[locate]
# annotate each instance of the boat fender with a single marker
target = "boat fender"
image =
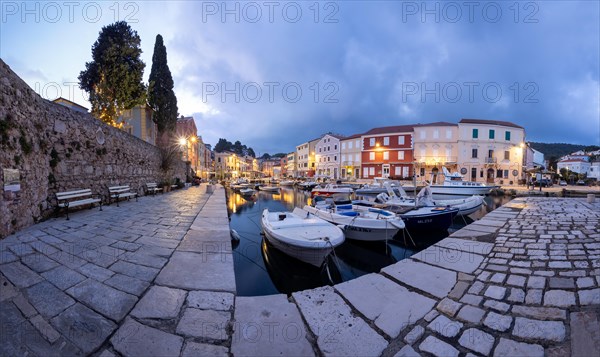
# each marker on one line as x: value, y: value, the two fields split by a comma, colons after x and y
x: 234, y: 235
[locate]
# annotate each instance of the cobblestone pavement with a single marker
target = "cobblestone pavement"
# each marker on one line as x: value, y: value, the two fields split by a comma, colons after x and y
x: 156, y: 278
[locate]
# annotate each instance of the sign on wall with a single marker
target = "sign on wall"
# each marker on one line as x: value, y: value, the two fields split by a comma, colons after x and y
x: 12, y: 180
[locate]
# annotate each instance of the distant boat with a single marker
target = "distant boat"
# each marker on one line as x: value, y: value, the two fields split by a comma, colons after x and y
x: 301, y: 235
x: 359, y: 222
x: 425, y: 198
x: 307, y: 185
x: 247, y: 192
x: 269, y: 188
x: 287, y: 183
x: 330, y: 189
x: 454, y: 185
x: 377, y: 186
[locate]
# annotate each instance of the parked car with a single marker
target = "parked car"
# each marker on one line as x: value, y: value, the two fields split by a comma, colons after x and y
x: 543, y: 183
x: 580, y: 183
x: 562, y: 183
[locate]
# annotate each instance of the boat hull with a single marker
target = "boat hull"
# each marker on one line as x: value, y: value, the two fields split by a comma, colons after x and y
x: 312, y: 256
x: 358, y: 228
x: 432, y: 219
x: 460, y: 190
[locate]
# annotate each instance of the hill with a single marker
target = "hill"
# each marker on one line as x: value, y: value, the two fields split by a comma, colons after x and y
x: 556, y: 150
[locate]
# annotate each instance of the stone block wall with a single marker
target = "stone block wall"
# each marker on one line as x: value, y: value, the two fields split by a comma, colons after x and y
x: 58, y: 149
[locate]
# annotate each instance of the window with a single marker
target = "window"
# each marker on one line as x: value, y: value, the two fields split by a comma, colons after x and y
x: 397, y: 171
x: 350, y: 145
x: 481, y: 173
x: 335, y: 147
x: 401, y: 140
x: 490, y: 153
x: 328, y: 158
x: 365, y: 171
x: 372, y: 141
x: 507, y: 136
x: 319, y: 149
x: 436, y: 134
x: 499, y: 173
x: 473, y: 174
x: 474, y: 153
x: 505, y: 174
x: 507, y: 155
x: 448, y: 133
x: 400, y: 155
x: 475, y: 133
x: 422, y: 173
x: 386, y: 140
x: 343, y: 145
x: 492, y: 133
x: 371, y: 171
x: 371, y: 156
x: 386, y: 155
x: 335, y: 158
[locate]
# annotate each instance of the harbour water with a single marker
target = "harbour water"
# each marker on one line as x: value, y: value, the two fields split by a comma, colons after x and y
x: 261, y: 269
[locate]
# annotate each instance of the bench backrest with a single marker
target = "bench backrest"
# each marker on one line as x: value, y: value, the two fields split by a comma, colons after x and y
x: 118, y: 188
x: 67, y: 195
x: 151, y: 185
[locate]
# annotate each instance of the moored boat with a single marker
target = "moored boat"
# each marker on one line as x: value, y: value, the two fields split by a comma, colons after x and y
x: 358, y: 222
x: 301, y: 235
x: 247, y: 192
x: 454, y: 185
x: 331, y: 189
x: 269, y: 188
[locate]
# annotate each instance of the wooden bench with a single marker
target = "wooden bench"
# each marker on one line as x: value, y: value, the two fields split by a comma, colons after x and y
x: 76, y: 198
x: 116, y: 192
x: 153, y: 187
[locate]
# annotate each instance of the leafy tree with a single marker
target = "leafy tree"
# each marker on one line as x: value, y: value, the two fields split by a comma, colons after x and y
x: 161, y: 97
x: 222, y: 145
x: 113, y: 79
x: 251, y: 152
x: 265, y: 156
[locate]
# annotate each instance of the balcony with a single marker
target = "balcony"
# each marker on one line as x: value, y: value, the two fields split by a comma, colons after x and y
x: 491, y: 160
x: 436, y: 160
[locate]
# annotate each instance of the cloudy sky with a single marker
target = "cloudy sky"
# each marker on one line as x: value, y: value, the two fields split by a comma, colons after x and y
x: 275, y: 74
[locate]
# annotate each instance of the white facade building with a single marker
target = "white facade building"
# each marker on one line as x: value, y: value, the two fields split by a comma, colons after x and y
x: 579, y: 166
x: 491, y: 151
x: 350, y: 152
x: 327, y: 156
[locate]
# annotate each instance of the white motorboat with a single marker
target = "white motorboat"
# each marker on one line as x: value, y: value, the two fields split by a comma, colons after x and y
x: 247, y: 192
x: 454, y: 185
x: 359, y: 222
x: 377, y: 186
x: 425, y: 198
x: 331, y: 189
x: 287, y: 183
x: 269, y: 188
x: 307, y: 185
x: 301, y: 235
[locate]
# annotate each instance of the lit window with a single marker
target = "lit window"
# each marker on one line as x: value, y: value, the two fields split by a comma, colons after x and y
x: 386, y: 155
x: 371, y: 156
x: 400, y: 155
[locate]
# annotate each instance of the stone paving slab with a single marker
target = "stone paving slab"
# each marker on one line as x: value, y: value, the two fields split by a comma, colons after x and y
x: 433, y: 280
x: 269, y: 326
x: 338, y: 331
x: 199, y: 271
x: 135, y: 339
x: 384, y: 308
x: 108, y: 301
x: 461, y: 261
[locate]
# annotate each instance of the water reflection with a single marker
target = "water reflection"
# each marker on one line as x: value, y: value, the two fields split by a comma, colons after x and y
x: 261, y: 269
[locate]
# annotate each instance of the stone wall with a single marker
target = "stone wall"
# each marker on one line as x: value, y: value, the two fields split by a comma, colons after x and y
x: 58, y: 149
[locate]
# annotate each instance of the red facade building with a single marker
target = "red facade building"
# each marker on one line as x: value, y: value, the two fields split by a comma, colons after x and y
x: 387, y: 152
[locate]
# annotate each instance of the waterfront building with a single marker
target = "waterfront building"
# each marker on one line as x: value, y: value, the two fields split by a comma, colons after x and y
x: 71, y: 105
x: 327, y: 156
x: 577, y: 165
x: 290, y: 169
x: 435, y: 145
x: 137, y: 121
x: 186, y: 135
x: 350, y: 152
x: 305, y: 158
x: 229, y: 165
x: 387, y: 152
x: 594, y: 171
x: 490, y: 151
x: 271, y: 167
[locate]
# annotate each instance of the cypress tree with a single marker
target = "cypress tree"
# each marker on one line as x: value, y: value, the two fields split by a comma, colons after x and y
x: 161, y: 97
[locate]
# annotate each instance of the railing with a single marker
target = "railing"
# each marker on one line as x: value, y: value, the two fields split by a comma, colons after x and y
x: 491, y: 160
x: 436, y: 160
